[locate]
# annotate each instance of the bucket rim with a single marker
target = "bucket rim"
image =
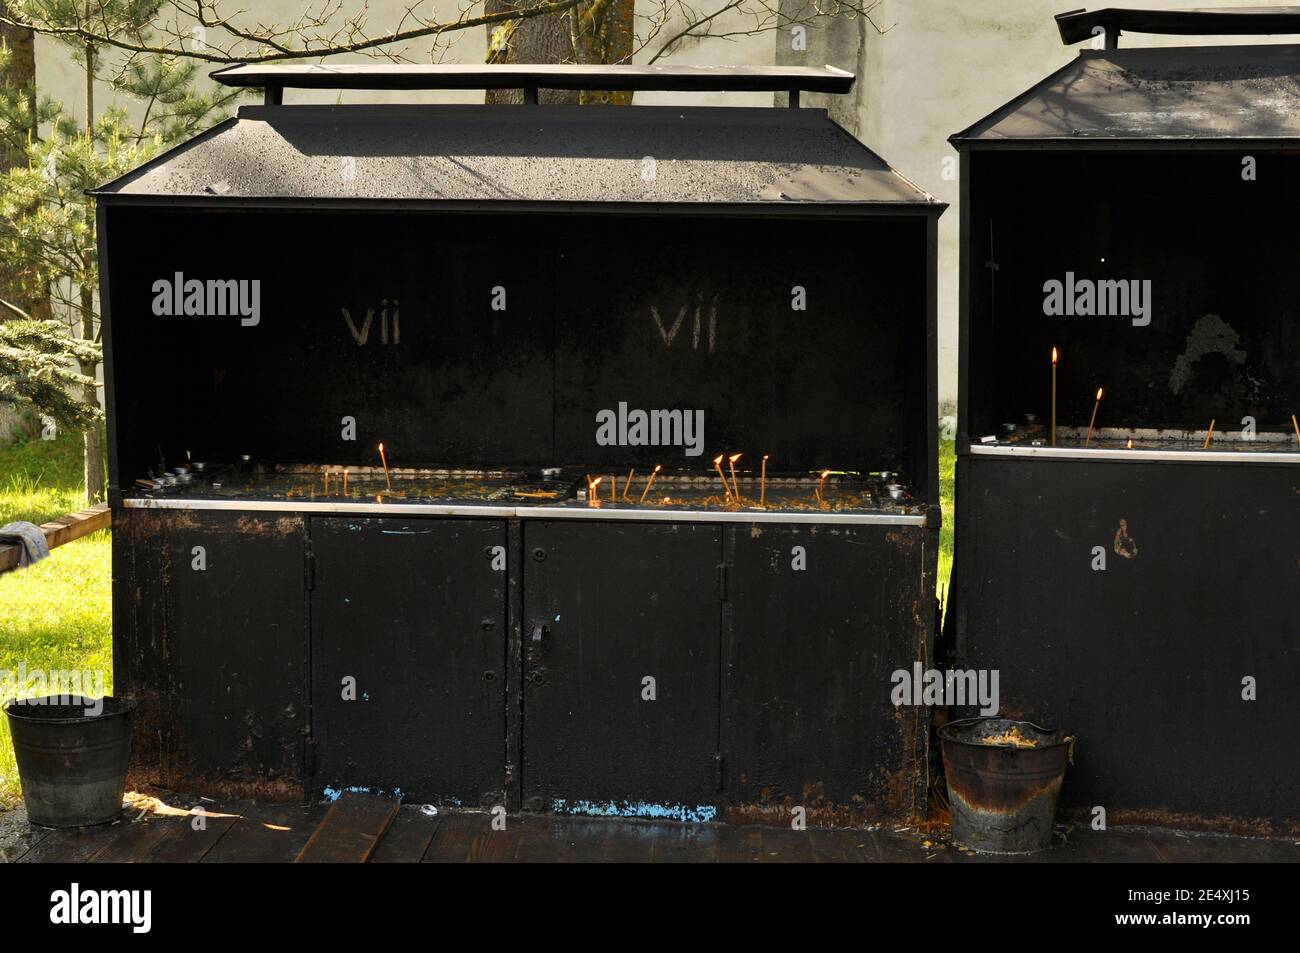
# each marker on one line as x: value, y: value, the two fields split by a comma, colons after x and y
x: 15, y: 709
x: 946, y: 731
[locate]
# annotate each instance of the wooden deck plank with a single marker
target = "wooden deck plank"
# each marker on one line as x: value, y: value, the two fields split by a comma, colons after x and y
x: 627, y: 843
x: 18, y: 843
x: 685, y: 843
x: 408, y: 837
x: 267, y: 833
x: 73, y: 845
x: 350, y: 830
x: 488, y: 845
x: 136, y: 838
x: 551, y: 839
x: 451, y: 841
x: 740, y: 845
x: 190, y: 843
x: 844, y: 846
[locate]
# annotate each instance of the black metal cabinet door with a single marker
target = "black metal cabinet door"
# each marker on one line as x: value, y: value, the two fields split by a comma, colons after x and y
x: 621, y: 667
x: 221, y: 671
x: 408, y: 656
x: 819, y: 618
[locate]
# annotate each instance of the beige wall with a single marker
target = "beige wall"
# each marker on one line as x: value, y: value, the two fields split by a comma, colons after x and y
x: 938, y: 66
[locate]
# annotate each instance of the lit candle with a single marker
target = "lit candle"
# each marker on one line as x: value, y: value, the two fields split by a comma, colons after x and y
x: 650, y: 482
x: 1297, y: 428
x: 613, y: 488
x: 383, y: 459
x: 1088, y: 438
x: 1053, y: 397
x: 327, y: 483
x: 628, y: 485
x: 593, y: 494
x: 731, y: 462
x: 345, y: 481
x: 1130, y: 443
x: 762, y: 498
x: 825, y: 474
x: 717, y: 465
x: 1208, y: 434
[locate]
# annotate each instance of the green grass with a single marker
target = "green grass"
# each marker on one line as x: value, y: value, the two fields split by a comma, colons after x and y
x: 947, y: 463
x: 55, y: 615
x: 41, y: 480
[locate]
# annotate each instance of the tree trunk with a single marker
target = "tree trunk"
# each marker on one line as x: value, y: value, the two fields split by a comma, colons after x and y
x: 598, y: 31
x: 93, y: 445
x: 21, y: 74
x: 92, y: 442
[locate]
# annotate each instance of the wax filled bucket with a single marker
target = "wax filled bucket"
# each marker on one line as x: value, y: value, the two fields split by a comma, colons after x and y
x: 1004, y: 782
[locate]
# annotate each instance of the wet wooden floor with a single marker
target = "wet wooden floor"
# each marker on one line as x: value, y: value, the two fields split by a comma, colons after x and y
x: 365, y: 828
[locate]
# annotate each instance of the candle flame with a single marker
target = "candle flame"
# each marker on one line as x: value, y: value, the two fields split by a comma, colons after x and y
x: 658, y: 467
x: 734, y: 457
x: 1053, y: 355
x: 1130, y: 443
x: 717, y: 460
x: 1099, y: 393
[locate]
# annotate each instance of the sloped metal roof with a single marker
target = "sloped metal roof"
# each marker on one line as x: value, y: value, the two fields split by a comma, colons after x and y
x: 571, y: 154
x: 1219, y: 92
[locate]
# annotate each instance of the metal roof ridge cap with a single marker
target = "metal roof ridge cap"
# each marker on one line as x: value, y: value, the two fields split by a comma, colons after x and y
x: 523, y: 112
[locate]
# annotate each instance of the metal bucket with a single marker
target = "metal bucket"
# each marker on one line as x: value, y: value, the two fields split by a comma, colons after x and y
x: 1003, y: 797
x: 72, y: 765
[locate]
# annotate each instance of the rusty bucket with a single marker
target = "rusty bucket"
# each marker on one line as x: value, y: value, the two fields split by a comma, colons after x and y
x: 1004, y: 780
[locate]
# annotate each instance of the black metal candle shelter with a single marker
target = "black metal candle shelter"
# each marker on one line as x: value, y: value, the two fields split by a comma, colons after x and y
x: 532, y: 308
x: 1134, y: 582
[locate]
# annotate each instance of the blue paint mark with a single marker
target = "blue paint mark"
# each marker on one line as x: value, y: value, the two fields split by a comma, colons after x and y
x: 332, y: 794
x: 700, y: 814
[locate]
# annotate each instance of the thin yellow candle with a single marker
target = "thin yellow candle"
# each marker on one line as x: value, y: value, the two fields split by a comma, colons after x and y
x: 1208, y: 434
x: 628, y: 485
x: 731, y: 462
x: 717, y: 465
x: 327, y: 483
x: 825, y: 474
x: 650, y: 482
x: 1297, y: 428
x: 1088, y: 438
x: 383, y: 459
x: 613, y: 488
x: 593, y: 491
x: 345, y: 481
x: 1053, y: 397
x: 762, y: 497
